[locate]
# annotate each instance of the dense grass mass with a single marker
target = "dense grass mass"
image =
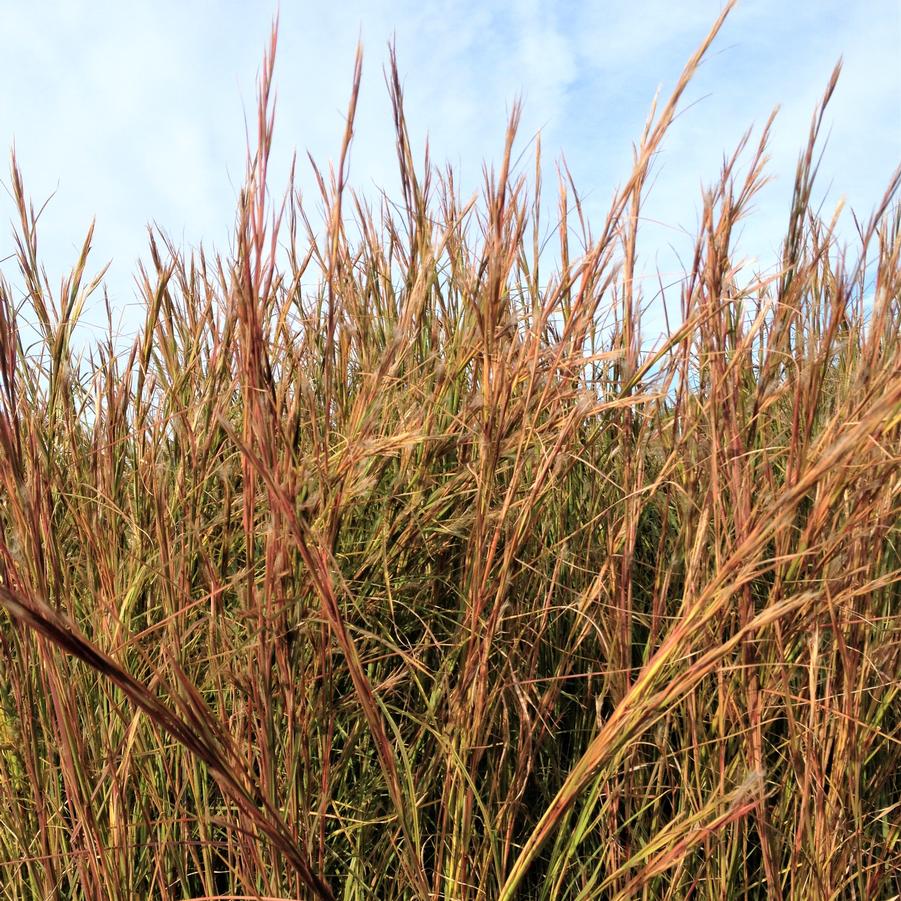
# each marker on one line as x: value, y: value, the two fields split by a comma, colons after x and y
x: 433, y: 580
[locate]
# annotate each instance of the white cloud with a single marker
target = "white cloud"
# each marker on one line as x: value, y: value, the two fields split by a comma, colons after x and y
x: 136, y: 110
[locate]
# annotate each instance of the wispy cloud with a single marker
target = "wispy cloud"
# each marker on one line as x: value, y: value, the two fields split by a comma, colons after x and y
x: 136, y: 111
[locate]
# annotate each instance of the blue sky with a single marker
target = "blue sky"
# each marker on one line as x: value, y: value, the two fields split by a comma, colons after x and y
x: 134, y: 112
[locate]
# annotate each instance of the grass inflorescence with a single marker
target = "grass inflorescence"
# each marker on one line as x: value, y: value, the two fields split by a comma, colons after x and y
x: 433, y: 580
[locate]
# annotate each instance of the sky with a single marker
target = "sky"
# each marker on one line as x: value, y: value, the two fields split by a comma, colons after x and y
x: 134, y: 112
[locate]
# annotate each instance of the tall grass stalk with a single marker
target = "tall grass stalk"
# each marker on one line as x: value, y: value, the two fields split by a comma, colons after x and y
x: 433, y: 580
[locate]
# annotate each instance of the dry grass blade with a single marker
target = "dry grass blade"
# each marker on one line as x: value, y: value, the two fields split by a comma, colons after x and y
x: 390, y: 562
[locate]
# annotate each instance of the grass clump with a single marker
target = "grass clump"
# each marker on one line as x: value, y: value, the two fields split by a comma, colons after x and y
x: 433, y: 581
